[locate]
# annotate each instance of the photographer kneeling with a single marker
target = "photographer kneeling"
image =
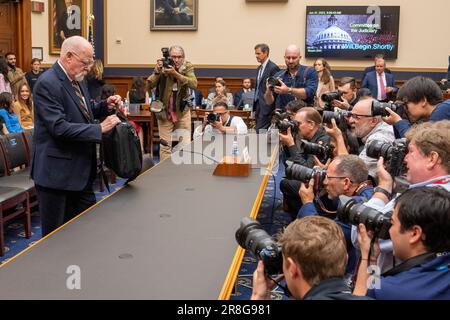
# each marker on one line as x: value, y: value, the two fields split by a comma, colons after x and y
x: 310, y: 129
x: 421, y: 239
x: 314, y: 260
x: 220, y: 121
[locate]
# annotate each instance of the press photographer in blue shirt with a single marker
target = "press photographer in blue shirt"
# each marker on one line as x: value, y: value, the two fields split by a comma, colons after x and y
x: 295, y: 82
x: 421, y: 239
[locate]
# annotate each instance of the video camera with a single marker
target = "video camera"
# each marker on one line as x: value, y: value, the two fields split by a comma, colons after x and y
x: 339, y: 116
x: 323, y: 152
x: 393, y: 153
x: 304, y: 174
x: 252, y: 237
x: 167, y: 60
x: 213, y: 117
x: 282, y: 122
x: 379, y: 108
x: 273, y: 82
x: 354, y: 213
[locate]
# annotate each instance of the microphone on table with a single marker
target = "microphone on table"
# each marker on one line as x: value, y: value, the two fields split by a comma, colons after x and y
x: 166, y: 144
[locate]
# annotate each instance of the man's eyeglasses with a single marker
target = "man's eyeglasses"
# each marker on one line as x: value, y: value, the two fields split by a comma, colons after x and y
x: 330, y: 177
x: 87, y: 63
x: 359, y: 116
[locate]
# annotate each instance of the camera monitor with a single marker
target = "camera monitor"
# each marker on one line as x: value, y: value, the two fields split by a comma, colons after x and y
x: 352, y: 32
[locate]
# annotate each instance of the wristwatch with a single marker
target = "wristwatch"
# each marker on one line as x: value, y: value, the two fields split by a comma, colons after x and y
x: 383, y: 191
x: 290, y: 91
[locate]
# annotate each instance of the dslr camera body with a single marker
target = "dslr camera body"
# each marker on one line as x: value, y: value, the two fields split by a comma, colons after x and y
x: 252, y: 237
x: 273, y: 82
x: 354, y: 213
x: 339, y: 116
x: 212, y: 117
x: 282, y: 122
x: 329, y: 97
x: 393, y: 153
x: 167, y: 60
x: 323, y: 152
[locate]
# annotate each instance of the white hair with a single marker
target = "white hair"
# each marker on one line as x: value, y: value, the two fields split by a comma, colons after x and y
x: 74, y: 43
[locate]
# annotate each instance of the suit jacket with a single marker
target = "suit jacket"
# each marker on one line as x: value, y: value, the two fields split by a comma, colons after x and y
x: 370, y: 82
x: 263, y: 111
x: 64, y: 153
x: 370, y: 69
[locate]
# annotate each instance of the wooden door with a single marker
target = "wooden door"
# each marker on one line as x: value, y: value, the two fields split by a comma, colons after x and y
x: 8, y: 28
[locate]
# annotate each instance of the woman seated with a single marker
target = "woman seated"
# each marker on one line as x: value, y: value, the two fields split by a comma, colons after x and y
x: 220, y: 95
x: 23, y: 107
x: 7, y: 113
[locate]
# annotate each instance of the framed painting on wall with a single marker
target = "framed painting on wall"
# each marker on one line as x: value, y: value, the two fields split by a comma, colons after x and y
x: 66, y: 18
x: 173, y: 14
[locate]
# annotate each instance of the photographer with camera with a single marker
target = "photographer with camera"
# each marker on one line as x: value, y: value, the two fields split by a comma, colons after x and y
x: 220, y: 121
x: 423, y: 99
x: 421, y: 239
x: 369, y: 128
x: 313, y: 262
x: 427, y: 163
x: 172, y: 77
x: 310, y: 129
x: 296, y: 82
x: 347, y: 86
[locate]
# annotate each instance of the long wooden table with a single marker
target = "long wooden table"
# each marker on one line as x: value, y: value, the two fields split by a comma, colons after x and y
x: 170, y: 234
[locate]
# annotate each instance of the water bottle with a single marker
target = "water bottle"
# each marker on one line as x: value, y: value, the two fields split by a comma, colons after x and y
x: 235, y: 149
x: 126, y: 107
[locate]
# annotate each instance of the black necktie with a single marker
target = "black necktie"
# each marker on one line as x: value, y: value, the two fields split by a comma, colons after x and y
x: 80, y: 96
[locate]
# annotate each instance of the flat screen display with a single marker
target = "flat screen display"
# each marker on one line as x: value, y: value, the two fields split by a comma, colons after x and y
x: 352, y: 32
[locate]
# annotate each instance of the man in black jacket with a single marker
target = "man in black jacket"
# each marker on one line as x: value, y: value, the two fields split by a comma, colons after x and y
x: 314, y: 261
x: 310, y: 129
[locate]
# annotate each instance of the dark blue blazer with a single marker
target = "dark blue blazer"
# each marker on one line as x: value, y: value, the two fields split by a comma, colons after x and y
x: 370, y: 82
x: 64, y: 153
x: 262, y: 110
x: 372, y: 68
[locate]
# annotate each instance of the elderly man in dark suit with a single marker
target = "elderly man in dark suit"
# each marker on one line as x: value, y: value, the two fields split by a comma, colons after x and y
x: 380, y: 83
x: 263, y: 111
x: 65, y: 134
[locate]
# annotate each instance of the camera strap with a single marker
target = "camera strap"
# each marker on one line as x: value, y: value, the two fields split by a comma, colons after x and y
x: 362, y: 186
x: 228, y: 124
x: 411, y: 263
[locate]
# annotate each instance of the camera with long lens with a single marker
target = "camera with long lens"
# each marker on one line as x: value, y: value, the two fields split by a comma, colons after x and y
x: 354, y: 213
x: 304, y: 174
x: 283, y: 122
x: 379, y: 108
x: 339, y: 116
x: 393, y: 153
x: 167, y: 60
x: 273, y: 82
x: 323, y: 152
x: 252, y: 237
x: 331, y: 96
x: 213, y: 117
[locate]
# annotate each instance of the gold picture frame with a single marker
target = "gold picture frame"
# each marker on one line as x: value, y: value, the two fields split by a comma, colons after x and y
x: 63, y: 25
x: 173, y: 15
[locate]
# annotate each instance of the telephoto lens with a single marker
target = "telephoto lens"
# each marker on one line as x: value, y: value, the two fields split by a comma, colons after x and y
x: 304, y: 174
x: 379, y: 108
x: 338, y: 116
x: 252, y: 237
x: 323, y: 152
x: 330, y: 96
x: 355, y: 213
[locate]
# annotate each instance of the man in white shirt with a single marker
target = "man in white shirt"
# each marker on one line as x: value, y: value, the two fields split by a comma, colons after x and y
x: 225, y: 122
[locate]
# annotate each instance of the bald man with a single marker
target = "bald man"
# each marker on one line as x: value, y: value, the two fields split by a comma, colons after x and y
x: 368, y: 129
x: 65, y: 133
x: 296, y: 81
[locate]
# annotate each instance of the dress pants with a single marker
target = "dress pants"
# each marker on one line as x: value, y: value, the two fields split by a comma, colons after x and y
x: 57, y: 207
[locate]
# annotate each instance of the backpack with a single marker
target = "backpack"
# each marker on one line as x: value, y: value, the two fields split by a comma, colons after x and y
x: 121, y: 150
